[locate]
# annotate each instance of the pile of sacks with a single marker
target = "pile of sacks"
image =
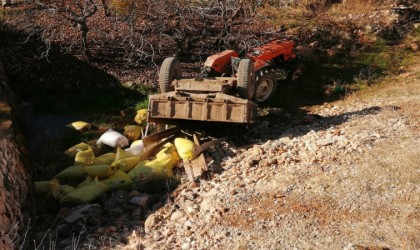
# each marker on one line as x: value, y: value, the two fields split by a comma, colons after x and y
x: 97, y: 174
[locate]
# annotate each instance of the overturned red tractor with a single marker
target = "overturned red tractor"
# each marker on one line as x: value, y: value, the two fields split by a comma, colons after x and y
x: 227, y: 87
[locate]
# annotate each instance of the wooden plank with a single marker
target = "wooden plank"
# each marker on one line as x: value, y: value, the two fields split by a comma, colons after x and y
x: 159, y: 135
x: 198, y: 150
x: 189, y: 171
x: 199, y: 166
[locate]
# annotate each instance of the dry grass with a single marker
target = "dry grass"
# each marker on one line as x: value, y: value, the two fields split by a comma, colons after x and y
x: 296, y: 12
x: 343, y: 7
x: 383, y: 186
x: 364, y: 200
x: 383, y: 183
x: 355, y: 7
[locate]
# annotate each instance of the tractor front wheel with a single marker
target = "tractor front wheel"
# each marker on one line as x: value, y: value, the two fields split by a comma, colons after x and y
x: 169, y: 70
x: 265, y: 86
x: 246, y: 79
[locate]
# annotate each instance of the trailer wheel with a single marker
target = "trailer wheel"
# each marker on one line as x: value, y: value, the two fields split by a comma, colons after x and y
x: 265, y: 86
x: 169, y: 70
x: 296, y: 72
x: 246, y: 79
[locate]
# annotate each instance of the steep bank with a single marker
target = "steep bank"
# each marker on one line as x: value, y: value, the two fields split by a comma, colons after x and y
x: 15, y: 178
x: 347, y: 178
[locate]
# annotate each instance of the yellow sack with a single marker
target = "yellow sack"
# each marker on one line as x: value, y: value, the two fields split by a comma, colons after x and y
x: 99, y: 171
x: 119, y: 180
x: 121, y: 154
x: 185, y: 148
x: 58, y: 191
x: 42, y: 187
x: 127, y: 164
x: 54, y: 186
x: 140, y: 170
x: 85, y: 194
x: 72, y: 173
x: 158, y: 169
x: 132, y: 132
x: 165, y: 150
x: 141, y: 117
x: 119, y: 174
x: 136, y: 148
x: 85, y: 182
x: 105, y: 159
x: 84, y: 157
x: 170, y: 151
x: 72, y: 151
x: 162, y: 169
x: 80, y: 125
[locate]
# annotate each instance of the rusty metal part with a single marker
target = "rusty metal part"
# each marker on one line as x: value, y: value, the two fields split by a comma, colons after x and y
x: 198, y: 150
x: 220, y: 61
x: 154, y: 141
x: 216, y: 107
x: 264, y: 55
x: 195, y: 168
x: 207, y: 85
x: 214, y: 99
x: 198, y: 166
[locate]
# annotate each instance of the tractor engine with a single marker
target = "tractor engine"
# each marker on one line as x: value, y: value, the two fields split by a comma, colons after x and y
x: 219, y: 64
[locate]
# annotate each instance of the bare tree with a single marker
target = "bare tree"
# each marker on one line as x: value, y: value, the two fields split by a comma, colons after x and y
x: 105, y: 5
x: 77, y: 13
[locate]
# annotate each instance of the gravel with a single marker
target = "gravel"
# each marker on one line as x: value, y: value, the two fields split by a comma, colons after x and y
x: 297, y: 190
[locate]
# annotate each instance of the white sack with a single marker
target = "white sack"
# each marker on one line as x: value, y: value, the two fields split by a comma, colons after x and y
x: 136, y: 148
x: 114, y: 139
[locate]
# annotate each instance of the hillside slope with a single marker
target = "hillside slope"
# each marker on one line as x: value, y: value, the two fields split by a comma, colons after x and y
x: 348, y: 180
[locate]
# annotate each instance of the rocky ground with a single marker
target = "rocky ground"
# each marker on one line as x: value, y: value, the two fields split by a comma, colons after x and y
x: 345, y: 177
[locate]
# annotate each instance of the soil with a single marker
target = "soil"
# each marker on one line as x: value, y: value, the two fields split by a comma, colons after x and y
x: 345, y: 177
x: 324, y: 168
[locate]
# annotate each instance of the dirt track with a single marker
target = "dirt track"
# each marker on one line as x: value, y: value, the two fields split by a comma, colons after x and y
x: 348, y: 180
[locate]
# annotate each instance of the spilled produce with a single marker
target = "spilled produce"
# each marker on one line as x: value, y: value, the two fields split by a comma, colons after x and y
x: 151, y: 158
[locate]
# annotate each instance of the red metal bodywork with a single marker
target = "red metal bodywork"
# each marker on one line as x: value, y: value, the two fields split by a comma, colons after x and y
x: 262, y: 56
x: 210, y: 96
x: 219, y: 62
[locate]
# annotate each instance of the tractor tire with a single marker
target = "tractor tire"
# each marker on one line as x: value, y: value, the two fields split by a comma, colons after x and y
x: 296, y: 72
x: 265, y: 85
x: 246, y: 79
x: 169, y: 70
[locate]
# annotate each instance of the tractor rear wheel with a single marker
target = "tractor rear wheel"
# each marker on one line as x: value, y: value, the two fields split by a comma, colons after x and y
x: 246, y: 79
x: 296, y: 72
x: 265, y: 86
x: 169, y: 70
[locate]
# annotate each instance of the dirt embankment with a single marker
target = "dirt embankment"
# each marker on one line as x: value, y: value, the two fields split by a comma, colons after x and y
x: 14, y: 175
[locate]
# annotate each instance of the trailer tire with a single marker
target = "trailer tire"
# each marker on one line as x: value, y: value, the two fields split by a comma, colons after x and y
x: 169, y: 70
x: 296, y: 72
x: 265, y: 85
x: 246, y: 79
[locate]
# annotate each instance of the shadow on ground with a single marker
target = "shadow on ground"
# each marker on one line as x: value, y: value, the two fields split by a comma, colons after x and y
x: 54, y: 89
x: 54, y: 82
x: 320, y: 83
